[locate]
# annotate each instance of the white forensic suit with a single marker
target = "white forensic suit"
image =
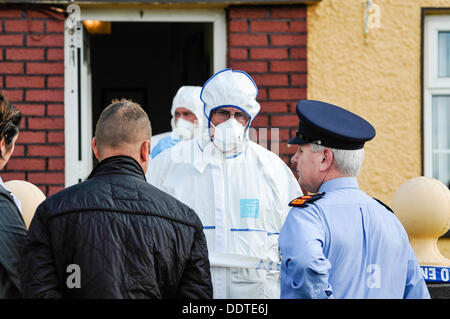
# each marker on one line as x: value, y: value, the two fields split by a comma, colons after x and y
x: 187, y: 97
x: 241, y: 197
x: 154, y: 140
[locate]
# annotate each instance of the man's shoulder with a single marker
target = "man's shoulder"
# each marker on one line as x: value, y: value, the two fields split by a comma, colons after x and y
x: 174, y: 153
x: 355, y: 197
x: 265, y: 155
x: 96, y: 194
x: 9, y: 212
x: 306, y: 200
x: 309, y: 204
x: 71, y: 192
x: 258, y: 148
x: 6, y: 198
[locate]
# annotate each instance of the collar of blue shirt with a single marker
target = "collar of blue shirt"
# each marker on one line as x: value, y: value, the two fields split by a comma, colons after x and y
x: 339, y: 183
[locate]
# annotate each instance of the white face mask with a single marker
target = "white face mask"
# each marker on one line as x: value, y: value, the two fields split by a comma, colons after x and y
x: 228, y: 135
x: 184, y: 129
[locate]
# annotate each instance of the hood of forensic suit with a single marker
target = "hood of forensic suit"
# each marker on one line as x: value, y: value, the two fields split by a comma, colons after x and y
x: 229, y: 88
x: 189, y: 98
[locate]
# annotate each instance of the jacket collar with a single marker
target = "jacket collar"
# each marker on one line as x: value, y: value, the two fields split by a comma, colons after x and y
x: 119, y: 164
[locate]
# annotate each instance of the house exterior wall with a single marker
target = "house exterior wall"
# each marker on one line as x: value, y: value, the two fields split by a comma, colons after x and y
x: 269, y: 43
x: 379, y: 80
x: 32, y: 77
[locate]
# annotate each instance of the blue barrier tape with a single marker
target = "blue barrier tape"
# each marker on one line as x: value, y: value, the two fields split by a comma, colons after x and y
x: 436, y: 274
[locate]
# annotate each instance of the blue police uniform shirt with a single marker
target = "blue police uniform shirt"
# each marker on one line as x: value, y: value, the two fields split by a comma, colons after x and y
x: 163, y: 144
x: 347, y: 245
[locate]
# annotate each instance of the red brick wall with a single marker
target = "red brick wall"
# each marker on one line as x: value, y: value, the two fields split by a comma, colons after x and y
x: 269, y: 43
x: 32, y: 77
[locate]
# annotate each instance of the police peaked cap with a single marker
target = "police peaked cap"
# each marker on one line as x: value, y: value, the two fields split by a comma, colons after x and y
x: 329, y: 125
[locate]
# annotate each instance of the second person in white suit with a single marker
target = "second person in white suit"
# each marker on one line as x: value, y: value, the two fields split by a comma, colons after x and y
x: 187, y: 111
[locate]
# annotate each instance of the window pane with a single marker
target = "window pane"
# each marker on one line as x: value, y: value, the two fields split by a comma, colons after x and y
x: 441, y: 168
x: 441, y: 138
x: 444, y: 54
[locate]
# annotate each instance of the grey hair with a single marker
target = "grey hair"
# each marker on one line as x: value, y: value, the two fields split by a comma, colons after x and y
x: 348, y: 162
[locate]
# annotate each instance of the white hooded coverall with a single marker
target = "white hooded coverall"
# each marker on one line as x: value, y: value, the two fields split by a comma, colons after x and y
x: 189, y: 98
x: 241, y: 198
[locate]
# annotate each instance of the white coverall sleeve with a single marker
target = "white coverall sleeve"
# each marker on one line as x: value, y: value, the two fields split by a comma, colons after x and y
x: 158, y: 169
x: 304, y: 268
x: 288, y: 186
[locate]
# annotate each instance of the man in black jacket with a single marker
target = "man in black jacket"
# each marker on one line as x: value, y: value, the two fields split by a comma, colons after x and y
x: 115, y: 235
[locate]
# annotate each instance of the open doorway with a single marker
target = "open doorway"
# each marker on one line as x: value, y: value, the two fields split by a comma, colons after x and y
x: 148, y: 62
x: 146, y: 57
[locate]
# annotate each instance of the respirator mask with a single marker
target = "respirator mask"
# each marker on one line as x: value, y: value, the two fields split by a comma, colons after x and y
x: 228, y: 135
x: 184, y: 129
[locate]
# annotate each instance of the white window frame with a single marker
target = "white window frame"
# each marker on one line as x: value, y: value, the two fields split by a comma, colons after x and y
x: 76, y: 170
x: 433, y: 85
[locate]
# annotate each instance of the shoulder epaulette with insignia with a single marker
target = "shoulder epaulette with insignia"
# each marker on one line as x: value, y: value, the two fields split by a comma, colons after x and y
x: 303, y: 201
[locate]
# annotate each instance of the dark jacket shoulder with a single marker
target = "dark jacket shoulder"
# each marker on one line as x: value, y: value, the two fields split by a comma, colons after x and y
x: 122, y: 189
x: 12, y: 237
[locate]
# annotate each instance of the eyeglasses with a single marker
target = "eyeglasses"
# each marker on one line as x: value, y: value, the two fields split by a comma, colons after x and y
x: 223, y: 115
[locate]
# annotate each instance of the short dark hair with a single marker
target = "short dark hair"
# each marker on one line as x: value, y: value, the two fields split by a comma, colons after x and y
x: 122, y: 122
x: 10, y: 118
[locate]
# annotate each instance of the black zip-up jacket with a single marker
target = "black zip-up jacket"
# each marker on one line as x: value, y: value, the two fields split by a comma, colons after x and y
x: 115, y: 236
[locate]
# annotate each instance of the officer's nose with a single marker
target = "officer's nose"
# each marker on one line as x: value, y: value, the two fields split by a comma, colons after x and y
x: 294, y: 159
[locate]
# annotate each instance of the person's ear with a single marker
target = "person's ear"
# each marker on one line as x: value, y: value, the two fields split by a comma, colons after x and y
x: 327, y: 159
x: 94, y: 148
x: 2, y: 146
x: 3, y: 143
x: 145, y: 151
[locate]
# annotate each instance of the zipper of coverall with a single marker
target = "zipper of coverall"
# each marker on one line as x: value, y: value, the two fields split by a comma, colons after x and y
x: 220, y: 238
x: 226, y: 219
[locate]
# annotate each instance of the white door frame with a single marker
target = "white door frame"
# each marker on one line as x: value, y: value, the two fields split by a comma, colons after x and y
x: 77, y: 168
x: 77, y: 105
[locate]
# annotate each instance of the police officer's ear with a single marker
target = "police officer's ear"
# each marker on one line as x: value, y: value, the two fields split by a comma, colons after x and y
x: 327, y: 159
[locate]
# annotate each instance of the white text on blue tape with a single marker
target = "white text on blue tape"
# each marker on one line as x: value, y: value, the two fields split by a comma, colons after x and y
x: 435, y: 274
